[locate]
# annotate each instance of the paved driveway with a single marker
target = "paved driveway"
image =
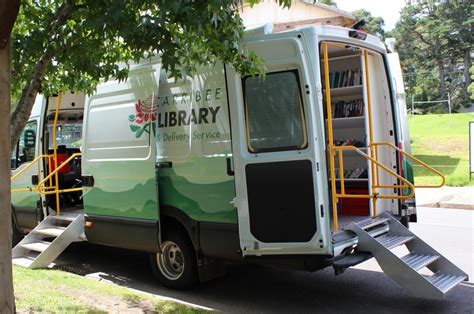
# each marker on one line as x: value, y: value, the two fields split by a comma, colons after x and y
x: 250, y: 288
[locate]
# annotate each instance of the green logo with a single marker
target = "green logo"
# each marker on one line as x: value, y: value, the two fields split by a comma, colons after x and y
x: 144, y: 118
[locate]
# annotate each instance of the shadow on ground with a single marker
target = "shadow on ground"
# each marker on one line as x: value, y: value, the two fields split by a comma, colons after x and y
x: 446, y: 164
x: 251, y: 288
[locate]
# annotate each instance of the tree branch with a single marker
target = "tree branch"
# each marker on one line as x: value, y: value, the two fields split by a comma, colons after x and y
x: 420, y: 36
x: 25, y: 104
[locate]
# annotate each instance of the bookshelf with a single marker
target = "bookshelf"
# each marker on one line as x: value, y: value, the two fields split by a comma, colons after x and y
x: 346, y: 91
x: 348, y: 116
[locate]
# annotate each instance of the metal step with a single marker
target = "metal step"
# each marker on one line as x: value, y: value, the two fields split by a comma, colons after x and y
x: 34, y: 252
x: 445, y: 282
x: 63, y: 217
x: 381, y: 229
x: 418, y: 261
x: 404, y: 270
x: 39, y: 246
x: 391, y: 241
x: 23, y: 261
x: 52, y: 231
x: 371, y: 222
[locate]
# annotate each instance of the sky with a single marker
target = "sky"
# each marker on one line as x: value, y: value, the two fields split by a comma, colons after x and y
x: 389, y: 10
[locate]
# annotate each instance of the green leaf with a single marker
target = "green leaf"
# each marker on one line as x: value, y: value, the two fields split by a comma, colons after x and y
x: 134, y: 127
x: 131, y: 118
x: 140, y: 132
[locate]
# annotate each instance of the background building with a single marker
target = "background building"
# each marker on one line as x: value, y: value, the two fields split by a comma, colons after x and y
x: 301, y: 13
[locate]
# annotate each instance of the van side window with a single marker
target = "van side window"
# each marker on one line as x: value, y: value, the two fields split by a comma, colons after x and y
x: 274, y: 112
x: 26, y: 147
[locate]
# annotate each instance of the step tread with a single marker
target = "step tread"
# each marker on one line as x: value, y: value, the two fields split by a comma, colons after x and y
x: 391, y: 241
x: 445, y: 282
x: 51, y: 231
x: 371, y: 222
x: 418, y: 261
x: 23, y: 261
x: 63, y: 217
x: 378, y: 231
x: 39, y: 246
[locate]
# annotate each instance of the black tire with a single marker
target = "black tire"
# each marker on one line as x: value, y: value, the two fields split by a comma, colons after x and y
x: 176, y: 267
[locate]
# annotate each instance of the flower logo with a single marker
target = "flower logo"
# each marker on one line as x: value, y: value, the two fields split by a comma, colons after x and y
x: 144, y: 118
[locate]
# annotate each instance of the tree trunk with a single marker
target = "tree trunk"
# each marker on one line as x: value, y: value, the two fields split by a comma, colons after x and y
x: 7, y: 300
x: 442, y: 80
x: 22, y: 113
x: 467, y: 75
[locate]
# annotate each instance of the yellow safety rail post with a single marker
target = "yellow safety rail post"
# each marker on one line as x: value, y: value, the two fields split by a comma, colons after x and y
x: 341, y: 172
x: 371, y: 131
x: 335, y: 224
x: 55, y: 152
x: 413, y: 158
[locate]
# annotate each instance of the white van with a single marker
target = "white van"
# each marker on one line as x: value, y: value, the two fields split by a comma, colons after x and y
x: 300, y: 168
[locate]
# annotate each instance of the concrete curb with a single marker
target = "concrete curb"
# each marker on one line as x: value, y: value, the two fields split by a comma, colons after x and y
x: 449, y: 205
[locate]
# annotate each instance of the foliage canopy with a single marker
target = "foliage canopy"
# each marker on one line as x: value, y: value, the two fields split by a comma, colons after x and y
x: 73, y: 44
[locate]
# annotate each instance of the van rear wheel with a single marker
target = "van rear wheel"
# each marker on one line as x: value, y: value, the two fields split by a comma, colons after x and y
x: 176, y: 266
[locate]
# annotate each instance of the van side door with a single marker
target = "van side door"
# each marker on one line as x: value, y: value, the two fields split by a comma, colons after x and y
x: 118, y: 164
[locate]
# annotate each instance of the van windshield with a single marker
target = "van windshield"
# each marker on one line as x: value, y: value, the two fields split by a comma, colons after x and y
x: 69, y: 135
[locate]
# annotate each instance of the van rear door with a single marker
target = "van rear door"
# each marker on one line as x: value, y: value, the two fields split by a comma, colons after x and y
x: 275, y: 153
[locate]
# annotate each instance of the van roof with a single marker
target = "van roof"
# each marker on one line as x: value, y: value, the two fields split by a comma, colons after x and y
x: 330, y: 32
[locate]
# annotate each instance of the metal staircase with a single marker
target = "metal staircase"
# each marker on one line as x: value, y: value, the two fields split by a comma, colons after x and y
x: 49, y: 239
x: 381, y: 234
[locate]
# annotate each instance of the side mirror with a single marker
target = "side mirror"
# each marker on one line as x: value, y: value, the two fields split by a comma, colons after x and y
x: 29, y: 138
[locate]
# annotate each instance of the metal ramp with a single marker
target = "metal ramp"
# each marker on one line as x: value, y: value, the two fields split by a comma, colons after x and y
x: 48, y: 240
x: 381, y: 234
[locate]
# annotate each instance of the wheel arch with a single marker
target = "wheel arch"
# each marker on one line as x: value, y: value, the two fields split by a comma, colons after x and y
x: 172, y: 217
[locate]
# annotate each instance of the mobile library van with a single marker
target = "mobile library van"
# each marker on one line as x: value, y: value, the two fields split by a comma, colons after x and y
x: 302, y: 168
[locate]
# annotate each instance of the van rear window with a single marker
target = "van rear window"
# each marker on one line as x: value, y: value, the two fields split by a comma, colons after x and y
x: 274, y: 113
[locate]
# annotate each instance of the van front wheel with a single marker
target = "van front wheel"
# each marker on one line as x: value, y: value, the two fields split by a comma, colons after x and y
x: 176, y: 266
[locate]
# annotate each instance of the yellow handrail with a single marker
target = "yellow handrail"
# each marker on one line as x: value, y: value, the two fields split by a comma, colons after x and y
x: 43, y: 190
x: 379, y: 164
x: 374, y: 196
x: 56, y: 171
x: 413, y: 158
x: 34, y: 161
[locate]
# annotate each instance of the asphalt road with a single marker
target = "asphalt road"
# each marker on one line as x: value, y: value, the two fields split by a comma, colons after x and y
x: 250, y: 288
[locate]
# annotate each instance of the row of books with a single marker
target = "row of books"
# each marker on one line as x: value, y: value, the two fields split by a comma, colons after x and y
x: 349, y: 142
x: 345, y: 109
x: 345, y: 78
x: 357, y: 173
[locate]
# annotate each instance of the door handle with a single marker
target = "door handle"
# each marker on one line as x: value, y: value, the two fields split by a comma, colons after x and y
x: 164, y: 164
x: 230, y: 171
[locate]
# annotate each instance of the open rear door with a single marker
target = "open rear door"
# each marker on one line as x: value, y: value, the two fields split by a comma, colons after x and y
x: 275, y: 153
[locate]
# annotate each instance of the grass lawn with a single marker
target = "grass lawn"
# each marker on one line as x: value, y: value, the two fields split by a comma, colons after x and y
x: 54, y: 291
x: 442, y: 141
